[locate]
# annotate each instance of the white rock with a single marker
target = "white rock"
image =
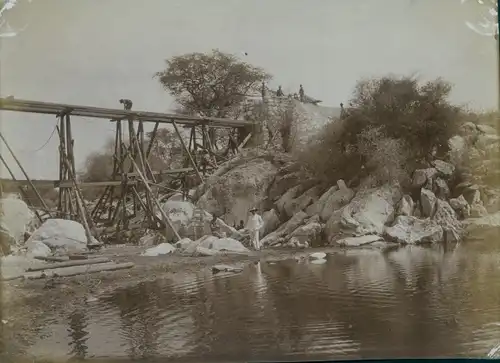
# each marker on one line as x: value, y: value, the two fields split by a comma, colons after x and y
x: 203, y: 251
x: 336, y: 200
x: 411, y: 230
x: 16, y: 216
x: 358, y: 241
x: 406, y: 206
x: 428, y: 202
x: 37, y: 249
x: 161, y: 249
x: 370, y: 210
x: 446, y: 217
x: 183, y: 243
x: 242, y: 187
x: 61, y: 234
x: 16, y: 265
x: 317, y: 255
x: 223, y: 244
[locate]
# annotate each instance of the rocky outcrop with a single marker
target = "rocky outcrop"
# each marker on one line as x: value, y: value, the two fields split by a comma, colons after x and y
x: 427, y: 202
x: 447, y: 219
x: 310, y: 233
x: 460, y: 206
x: 336, y: 200
x: 411, y: 230
x: 284, y: 230
x: 60, y: 235
x: 371, y: 210
x: 271, y: 222
x: 406, y: 206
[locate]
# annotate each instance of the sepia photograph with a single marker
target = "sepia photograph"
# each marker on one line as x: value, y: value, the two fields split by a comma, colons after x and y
x: 249, y: 180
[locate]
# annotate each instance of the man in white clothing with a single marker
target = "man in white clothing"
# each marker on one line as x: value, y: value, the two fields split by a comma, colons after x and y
x: 254, y: 225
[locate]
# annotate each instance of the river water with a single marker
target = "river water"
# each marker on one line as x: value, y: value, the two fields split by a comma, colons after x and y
x: 411, y: 302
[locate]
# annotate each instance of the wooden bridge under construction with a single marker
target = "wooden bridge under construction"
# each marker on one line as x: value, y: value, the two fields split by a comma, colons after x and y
x: 130, y: 188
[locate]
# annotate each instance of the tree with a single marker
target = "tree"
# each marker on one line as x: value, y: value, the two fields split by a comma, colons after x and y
x: 210, y: 84
x: 389, y: 117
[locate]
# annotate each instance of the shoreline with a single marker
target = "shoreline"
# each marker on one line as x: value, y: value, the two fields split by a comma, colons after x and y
x: 146, y: 268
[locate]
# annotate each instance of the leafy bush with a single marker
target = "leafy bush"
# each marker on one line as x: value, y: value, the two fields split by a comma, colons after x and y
x: 393, y: 126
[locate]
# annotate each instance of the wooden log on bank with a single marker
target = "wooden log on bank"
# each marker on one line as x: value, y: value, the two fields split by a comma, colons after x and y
x: 91, y: 261
x: 52, y: 258
x: 77, y: 270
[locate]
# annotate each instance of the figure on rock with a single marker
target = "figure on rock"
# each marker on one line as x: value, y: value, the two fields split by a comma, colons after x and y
x: 279, y: 92
x: 301, y: 93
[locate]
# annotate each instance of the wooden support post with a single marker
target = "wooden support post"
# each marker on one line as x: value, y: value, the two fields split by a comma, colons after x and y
x: 162, y: 212
x: 152, y: 139
x: 195, y: 167
x: 39, y: 197
x: 79, y: 204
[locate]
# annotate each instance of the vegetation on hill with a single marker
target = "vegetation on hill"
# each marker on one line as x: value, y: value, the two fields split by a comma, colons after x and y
x: 393, y: 126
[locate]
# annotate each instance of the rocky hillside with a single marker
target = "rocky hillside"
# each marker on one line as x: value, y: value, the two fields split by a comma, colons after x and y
x: 299, y: 211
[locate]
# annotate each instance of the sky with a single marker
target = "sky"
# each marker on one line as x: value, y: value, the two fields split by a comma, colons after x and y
x: 95, y: 52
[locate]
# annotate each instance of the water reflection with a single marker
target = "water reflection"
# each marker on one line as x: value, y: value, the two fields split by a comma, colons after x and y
x: 409, y: 302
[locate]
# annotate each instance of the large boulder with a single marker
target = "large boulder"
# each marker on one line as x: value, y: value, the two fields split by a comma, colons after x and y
x: 285, y: 229
x: 446, y: 217
x: 444, y: 169
x: 424, y: 177
x: 161, y: 249
x: 318, y: 206
x: 428, y: 202
x: 282, y: 183
x: 181, y: 214
x: 310, y: 233
x: 460, y: 206
x: 223, y: 244
x: 370, y: 210
x: 411, y: 230
x: 271, y: 222
x: 441, y: 189
x: 336, y: 200
x: 287, y: 199
x: 334, y: 227
x: 60, y: 234
x: 301, y: 202
x: 232, y: 194
x: 405, y: 206
x: 16, y: 217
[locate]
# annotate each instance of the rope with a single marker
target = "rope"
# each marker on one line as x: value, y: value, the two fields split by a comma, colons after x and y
x: 46, y: 142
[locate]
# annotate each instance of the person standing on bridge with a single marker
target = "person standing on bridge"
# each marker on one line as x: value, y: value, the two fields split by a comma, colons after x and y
x: 263, y: 90
x: 254, y: 225
x: 301, y: 93
x: 279, y: 92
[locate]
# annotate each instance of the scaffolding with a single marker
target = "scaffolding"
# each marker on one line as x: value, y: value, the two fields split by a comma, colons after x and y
x: 129, y: 193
